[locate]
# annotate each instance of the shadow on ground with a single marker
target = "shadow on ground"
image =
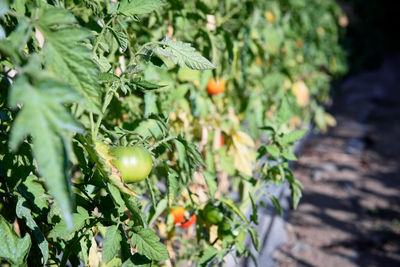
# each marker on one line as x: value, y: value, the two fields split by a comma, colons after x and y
x: 350, y: 212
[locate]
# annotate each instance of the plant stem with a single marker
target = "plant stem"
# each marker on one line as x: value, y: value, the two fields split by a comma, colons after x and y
x: 162, y: 141
x: 96, y: 44
x: 107, y: 100
x: 92, y: 126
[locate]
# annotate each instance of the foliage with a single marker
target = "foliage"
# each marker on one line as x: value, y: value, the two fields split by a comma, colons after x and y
x: 79, y: 78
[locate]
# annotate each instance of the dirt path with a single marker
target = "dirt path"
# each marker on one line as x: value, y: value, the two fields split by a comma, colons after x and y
x: 350, y: 212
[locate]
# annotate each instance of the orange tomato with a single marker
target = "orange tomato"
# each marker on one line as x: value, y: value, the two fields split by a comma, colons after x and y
x: 216, y: 86
x: 179, y: 217
x: 179, y: 214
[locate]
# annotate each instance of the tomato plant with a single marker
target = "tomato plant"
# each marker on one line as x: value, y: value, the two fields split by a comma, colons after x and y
x: 90, y: 88
x: 134, y: 163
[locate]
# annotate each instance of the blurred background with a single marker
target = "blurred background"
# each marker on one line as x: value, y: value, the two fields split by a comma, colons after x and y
x: 350, y: 212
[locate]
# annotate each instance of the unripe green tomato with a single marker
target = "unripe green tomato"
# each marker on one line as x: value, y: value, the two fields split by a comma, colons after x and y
x: 224, y: 228
x: 134, y: 163
x: 212, y: 215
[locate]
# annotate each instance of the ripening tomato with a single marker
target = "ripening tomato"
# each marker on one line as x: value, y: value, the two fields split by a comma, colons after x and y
x: 179, y: 217
x: 134, y: 163
x: 189, y: 222
x: 216, y: 86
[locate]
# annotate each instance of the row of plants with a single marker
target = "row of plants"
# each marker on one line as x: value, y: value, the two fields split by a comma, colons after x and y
x: 141, y: 132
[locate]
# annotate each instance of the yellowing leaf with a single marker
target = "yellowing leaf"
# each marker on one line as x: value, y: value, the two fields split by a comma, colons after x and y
x: 243, y: 157
x: 330, y: 120
x: 300, y: 90
x: 94, y: 260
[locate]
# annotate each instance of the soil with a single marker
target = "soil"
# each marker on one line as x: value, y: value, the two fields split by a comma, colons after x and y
x: 350, y: 211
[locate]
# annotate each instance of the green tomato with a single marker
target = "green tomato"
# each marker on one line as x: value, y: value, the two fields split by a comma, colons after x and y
x: 134, y: 163
x: 212, y: 215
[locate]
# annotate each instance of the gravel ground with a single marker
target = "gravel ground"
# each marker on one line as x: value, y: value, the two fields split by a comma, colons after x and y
x: 350, y: 212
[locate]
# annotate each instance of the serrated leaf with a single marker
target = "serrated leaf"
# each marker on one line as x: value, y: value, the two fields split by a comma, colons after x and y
x: 44, y: 117
x: 22, y: 211
x: 138, y: 7
x: 292, y: 137
x: 13, y: 248
x: 66, y: 57
x: 276, y: 204
x: 63, y: 232
x: 147, y: 243
x: 121, y: 38
x: 208, y: 255
x: 183, y: 53
x: 111, y: 243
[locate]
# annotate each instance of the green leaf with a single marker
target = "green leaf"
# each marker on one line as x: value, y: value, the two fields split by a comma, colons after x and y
x: 183, y: 53
x: 211, y: 182
x: 208, y: 255
x: 296, y: 187
x: 254, y: 216
x: 137, y: 260
x: 44, y: 117
x: 138, y: 7
x: 273, y: 151
x: 66, y: 57
x: 289, y: 155
x: 3, y: 7
x: 292, y: 137
x: 63, y: 232
x: 143, y: 85
x: 161, y: 206
x: 23, y: 211
x: 147, y: 243
x: 34, y: 192
x: 116, y: 196
x: 234, y: 208
x: 277, y: 205
x: 172, y: 186
x: 105, y: 77
x: 255, y: 238
x: 285, y: 112
x: 13, y: 248
x: 121, y: 37
x: 111, y: 243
